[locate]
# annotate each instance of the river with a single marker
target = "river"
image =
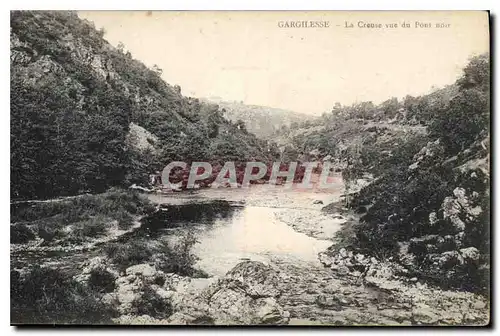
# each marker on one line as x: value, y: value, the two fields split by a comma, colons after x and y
x: 261, y: 227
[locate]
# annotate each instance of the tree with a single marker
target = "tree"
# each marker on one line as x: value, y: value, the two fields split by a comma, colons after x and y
x: 390, y: 107
x: 158, y: 71
x: 121, y: 47
x: 240, y: 124
x: 466, y: 119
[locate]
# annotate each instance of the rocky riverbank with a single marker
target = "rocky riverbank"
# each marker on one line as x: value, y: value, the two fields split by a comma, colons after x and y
x: 296, y: 294
x: 353, y: 288
x: 143, y: 294
x: 147, y: 280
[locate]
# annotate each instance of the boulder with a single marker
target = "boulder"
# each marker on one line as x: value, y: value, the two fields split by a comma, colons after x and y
x: 253, y: 278
x: 325, y: 259
x: 268, y: 311
x: 424, y: 316
x: 325, y: 301
x: 246, y: 295
x: 186, y: 319
x: 142, y: 269
x: 470, y: 254
x: 446, y: 260
x: 359, y: 257
x: 343, y: 270
x: 94, y: 263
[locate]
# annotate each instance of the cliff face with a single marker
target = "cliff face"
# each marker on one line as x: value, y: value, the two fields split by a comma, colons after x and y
x: 73, y: 98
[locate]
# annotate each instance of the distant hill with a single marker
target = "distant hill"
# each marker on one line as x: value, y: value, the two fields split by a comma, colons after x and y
x: 263, y: 121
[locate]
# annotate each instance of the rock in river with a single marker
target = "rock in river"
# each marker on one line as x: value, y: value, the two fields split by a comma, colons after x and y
x: 246, y: 295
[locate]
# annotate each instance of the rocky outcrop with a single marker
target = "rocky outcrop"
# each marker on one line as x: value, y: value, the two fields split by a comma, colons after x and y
x: 140, y: 138
x: 381, y: 297
x: 460, y: 209
x: 246, y: 295
x: 436, y: 208
x: 138, y: 279
x: 364, y: 269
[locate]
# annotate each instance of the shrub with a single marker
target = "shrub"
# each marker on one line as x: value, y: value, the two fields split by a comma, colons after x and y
x: 92, y: 227
x: 468, y: 115
x: 126, y: 255
x: 50, y: 228
x: 125, y: 220
x: 20, y: 234
x: 101, y: 280
x: 178, y: 258
x: 48, y: 296
x: 150, y: 303
x: 32, y: 211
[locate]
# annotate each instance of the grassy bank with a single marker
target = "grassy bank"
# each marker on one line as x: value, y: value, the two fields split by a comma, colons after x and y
x: 77, y: 220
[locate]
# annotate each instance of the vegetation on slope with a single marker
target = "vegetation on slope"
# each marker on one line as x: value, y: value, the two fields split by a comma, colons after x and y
x: 77, y: 220
x: 434, y: 209
x: 429, y: 202
x: 73, y: 98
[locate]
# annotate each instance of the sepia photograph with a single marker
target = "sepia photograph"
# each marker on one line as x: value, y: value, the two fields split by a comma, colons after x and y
x: 249, y: 168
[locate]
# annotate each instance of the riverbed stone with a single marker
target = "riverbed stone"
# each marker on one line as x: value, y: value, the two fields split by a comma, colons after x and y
x: 325, y: 259
x: 343, y: 270
x: 327, y: 301
x: 479, y: 304
x: 246, y: 295
x: 254, y: 278
x: 470, y: 254
x: 139, y: 320
x: 180, y: 318
x: 424, y: 315
x: 142, y: 269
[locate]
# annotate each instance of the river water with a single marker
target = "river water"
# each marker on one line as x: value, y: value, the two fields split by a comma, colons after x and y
x: 267, y: 223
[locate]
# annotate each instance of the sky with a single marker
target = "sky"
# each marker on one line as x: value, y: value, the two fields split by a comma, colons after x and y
x: 247, y: 56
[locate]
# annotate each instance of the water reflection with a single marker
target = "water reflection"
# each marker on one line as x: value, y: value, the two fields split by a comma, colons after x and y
x: 253, y: 233
x: 170, y: 216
